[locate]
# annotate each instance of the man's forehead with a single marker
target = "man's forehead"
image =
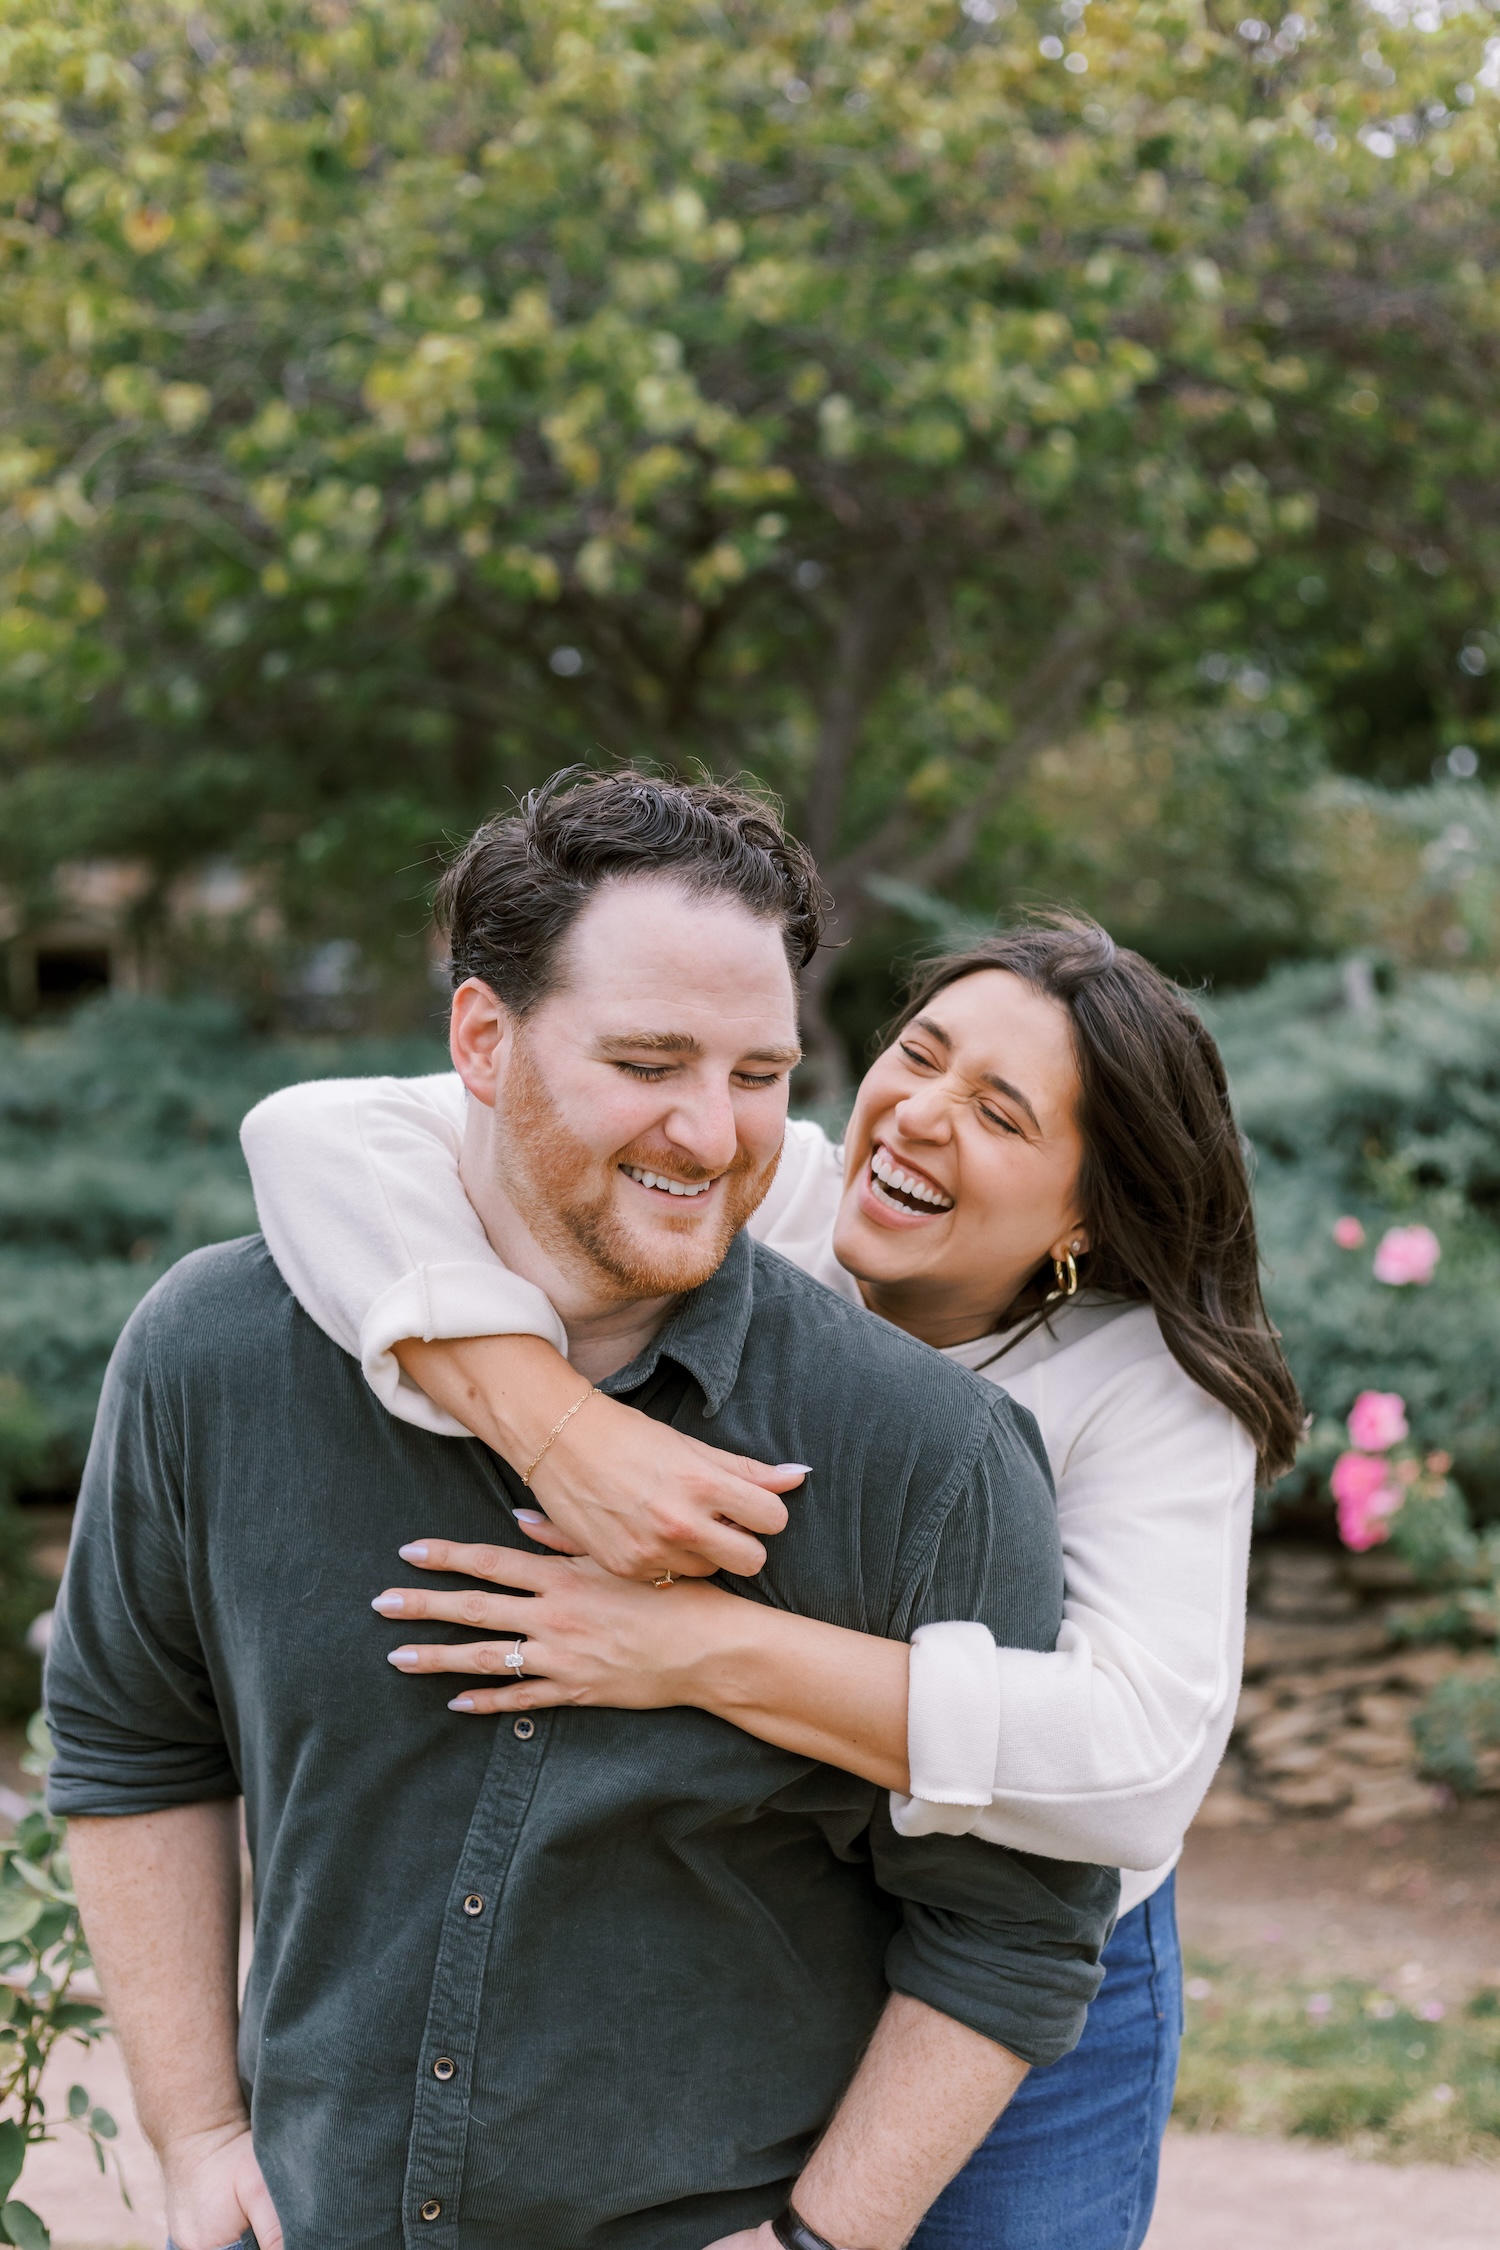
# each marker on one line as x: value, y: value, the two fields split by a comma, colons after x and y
x: 649, y: 956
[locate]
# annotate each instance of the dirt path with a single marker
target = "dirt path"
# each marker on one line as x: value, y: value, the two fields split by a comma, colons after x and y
x: 1220, y: 2192
x: 1419, y: 1903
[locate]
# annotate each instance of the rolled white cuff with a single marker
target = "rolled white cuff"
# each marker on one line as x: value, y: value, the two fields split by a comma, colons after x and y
x: 438, y: 1302
x: 953, y: 1720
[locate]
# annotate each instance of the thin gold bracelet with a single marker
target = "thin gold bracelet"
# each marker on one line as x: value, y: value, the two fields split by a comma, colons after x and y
x: 557, y: 1430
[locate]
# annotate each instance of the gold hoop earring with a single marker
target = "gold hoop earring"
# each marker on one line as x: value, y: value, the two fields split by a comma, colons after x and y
x: 1066, y: 1276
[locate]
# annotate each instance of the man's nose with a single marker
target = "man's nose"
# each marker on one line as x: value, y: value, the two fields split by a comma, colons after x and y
x: 703, y: 1126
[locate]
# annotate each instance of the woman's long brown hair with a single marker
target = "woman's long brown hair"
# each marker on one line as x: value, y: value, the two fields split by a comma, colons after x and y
x: 1163, y: 1188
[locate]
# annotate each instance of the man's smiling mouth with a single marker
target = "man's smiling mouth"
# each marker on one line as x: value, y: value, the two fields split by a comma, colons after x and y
x: 903, y: 1190
x: 664, y: 1184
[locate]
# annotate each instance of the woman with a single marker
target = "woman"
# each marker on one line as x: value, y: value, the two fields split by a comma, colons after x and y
x: 1042, y: 1178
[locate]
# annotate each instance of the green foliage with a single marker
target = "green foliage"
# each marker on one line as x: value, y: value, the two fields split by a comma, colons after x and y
x: 1349, y: 2064
x: 1458, y: 1733
x: 402, y: 399
x: 42, y: 1953
x: 119, y: 1152
x: 1384, y: 1105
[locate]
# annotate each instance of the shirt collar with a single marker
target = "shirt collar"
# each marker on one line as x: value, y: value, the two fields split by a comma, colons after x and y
x: 706, y: 1334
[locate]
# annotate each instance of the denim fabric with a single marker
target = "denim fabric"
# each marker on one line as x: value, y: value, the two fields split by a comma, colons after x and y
x: 245, y: 2241
x: 1072, y: 2163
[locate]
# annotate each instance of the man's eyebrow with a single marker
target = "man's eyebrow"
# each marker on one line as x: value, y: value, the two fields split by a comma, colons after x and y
x: 683, y: 1043
x: 988, y: 1077
x: 653, y: 1042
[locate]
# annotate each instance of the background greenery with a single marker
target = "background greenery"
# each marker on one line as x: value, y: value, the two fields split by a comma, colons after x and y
x: 1052, y: 445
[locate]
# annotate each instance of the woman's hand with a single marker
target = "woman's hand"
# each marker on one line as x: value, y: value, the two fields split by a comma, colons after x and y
x: 585, y: 1636
x: 637, y: 1495
x: 589, y: 1637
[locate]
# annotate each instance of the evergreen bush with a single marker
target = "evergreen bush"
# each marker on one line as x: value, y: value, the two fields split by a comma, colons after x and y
x: 1381, y: 1105
x: 119, y: 1152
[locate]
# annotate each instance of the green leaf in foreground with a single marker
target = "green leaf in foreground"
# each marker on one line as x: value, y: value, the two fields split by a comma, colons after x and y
x: 24, y: 2228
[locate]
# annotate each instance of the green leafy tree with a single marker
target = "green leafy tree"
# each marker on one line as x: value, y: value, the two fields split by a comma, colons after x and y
x: 404, y: 399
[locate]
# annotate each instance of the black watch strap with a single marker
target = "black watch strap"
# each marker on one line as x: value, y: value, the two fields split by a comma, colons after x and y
x: 795, y: 2234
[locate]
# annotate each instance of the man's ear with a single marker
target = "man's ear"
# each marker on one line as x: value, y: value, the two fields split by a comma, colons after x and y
x: 477, y: 1032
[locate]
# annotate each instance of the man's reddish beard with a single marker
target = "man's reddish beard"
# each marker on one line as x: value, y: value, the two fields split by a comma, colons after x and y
x: 554, y: 1181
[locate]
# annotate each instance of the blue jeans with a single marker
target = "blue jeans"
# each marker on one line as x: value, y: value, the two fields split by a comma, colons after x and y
x: 1072, y: 2163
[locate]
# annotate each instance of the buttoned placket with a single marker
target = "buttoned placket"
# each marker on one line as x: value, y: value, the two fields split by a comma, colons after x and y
x: 445, y: 2072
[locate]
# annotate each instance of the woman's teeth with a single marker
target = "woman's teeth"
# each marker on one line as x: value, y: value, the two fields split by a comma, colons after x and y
x: 889, y: 1175
x: 660, y: 1180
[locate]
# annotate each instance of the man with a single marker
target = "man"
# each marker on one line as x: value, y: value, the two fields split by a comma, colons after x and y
x: 595, y: 1980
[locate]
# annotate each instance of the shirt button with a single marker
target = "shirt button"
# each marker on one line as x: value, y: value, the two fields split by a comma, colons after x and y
x: 444, y: 2068
x: 473, y: 1904
x: 525, y: 1729
x: 432, y: 2209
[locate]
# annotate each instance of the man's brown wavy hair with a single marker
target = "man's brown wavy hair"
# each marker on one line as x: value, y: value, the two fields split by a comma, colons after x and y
x: 1164, y: 1188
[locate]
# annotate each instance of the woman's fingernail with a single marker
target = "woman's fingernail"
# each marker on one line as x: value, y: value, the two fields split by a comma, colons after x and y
x: 389, y: 1605
x: 416, y: 1552
x: 462, y: 1703
x: 529, y: 1515
x: 404, y: 1659
x: 783, y: 1469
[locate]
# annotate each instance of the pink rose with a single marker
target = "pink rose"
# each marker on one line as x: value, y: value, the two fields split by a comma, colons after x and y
x: 1348, y: 1234
x: 1377, y: 1421
x: 1362, y: 1488
x: 1407, y: 1254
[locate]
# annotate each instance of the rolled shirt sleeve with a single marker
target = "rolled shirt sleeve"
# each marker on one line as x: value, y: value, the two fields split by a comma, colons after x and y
x: 130, y: 1705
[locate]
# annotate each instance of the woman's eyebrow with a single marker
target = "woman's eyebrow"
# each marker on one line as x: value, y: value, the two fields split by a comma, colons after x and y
x: 935, y: 1031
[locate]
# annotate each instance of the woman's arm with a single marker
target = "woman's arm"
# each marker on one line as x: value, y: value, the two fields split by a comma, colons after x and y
x: 358, y: 1189
x: 1103, y: 1749
x: 815, y: 1689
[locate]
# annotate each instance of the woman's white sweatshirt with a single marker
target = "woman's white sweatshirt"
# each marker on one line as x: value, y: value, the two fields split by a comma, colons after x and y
x: 1101, y: 1749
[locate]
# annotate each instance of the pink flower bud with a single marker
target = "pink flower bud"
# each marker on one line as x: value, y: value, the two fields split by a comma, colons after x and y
x: 1407, y: 1254
x: 1348, y: 1234
x: 1377, y: 1421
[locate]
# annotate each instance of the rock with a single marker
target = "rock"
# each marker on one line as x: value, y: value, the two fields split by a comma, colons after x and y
x: 1292, y: 1724
x: 1231, y: 1808
x: 1310, y: 1569
x: 1424, y: 1667
x: 1388, y: 1711
x: 1276, y: 1644
x: 1373, y: 1746
x: 1253, y: 1704
x: 1294, y: 1758
x: 1395, y: 1797
x: 1380, y: 1574
x: 1322, y: 1791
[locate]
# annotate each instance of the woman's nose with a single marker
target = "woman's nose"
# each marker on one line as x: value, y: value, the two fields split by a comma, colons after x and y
x: 925, y: 1114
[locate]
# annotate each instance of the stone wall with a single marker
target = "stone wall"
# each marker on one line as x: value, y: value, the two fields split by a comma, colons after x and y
x: 1324, y: 1719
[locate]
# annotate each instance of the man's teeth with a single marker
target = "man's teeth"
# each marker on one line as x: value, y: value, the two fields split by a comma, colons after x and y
x: 890, y: 1174
x: 660, y: 1180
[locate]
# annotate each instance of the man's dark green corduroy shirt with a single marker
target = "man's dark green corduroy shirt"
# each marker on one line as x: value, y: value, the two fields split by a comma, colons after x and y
x: 592, y: 1980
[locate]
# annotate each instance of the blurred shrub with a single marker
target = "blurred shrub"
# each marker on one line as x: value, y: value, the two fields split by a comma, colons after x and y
x: 119, y: 1152
x: 1378, y: 1097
